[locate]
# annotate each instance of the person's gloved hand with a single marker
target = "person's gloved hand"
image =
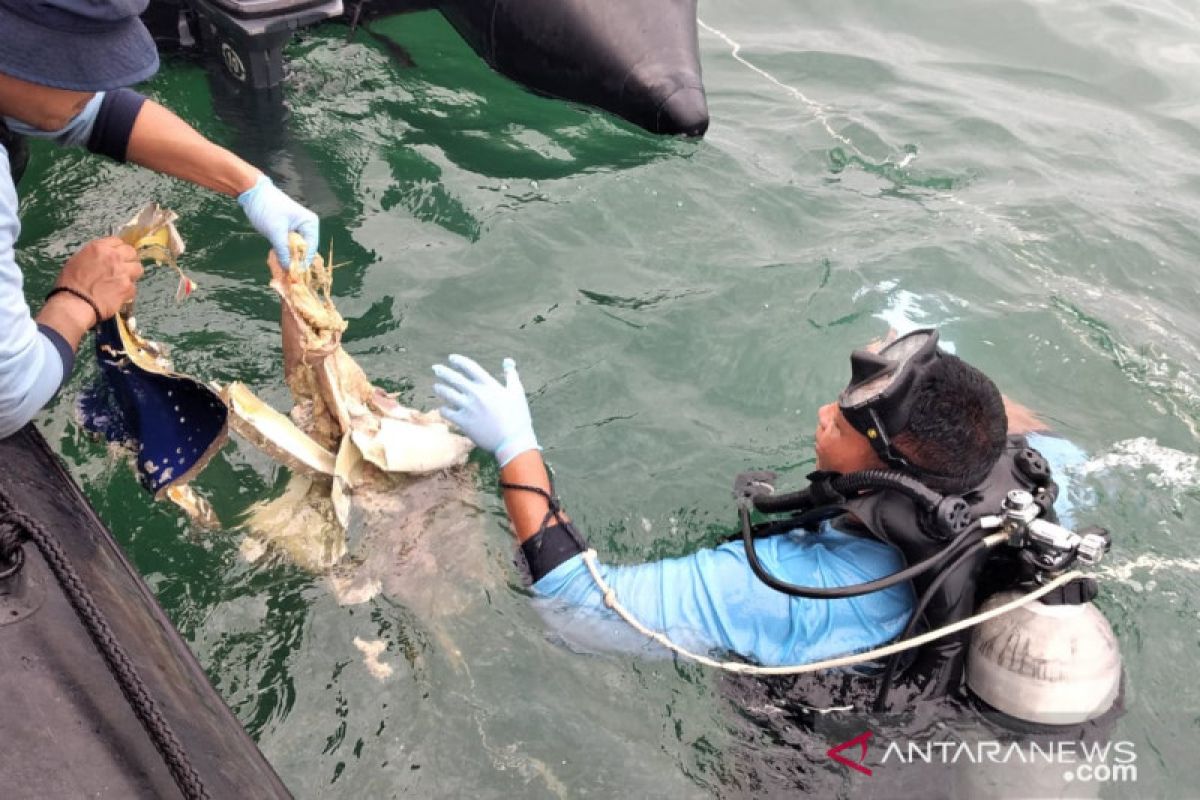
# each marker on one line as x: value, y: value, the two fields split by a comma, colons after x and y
x: 275, y: 215
x: 494, y: 416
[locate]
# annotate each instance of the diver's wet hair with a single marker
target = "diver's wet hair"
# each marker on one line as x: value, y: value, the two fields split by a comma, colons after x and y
x: 957, y: 426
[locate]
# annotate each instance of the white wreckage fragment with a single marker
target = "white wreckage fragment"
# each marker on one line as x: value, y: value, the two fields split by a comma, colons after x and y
x: 342, y: 426
x: 273, y: 433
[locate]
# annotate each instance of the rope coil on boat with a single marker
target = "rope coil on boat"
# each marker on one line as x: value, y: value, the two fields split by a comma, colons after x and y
x: 119, y: 664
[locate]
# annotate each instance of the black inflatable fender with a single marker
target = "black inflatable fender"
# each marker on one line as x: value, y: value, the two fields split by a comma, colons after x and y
x: 636, y: 58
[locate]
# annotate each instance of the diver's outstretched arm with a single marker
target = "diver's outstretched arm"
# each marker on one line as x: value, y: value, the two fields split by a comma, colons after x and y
x: 526, y: 509
x: 708, y: 600
x: 496, y: 418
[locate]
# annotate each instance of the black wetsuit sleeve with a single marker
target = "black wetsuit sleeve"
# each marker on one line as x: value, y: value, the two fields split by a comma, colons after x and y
x: 114, y: 123
x: 64, y: 350
x: 550, y: 547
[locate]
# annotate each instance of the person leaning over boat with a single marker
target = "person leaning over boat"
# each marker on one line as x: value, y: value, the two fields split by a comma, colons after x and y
x: 63, y: 66
x: 949, y: 422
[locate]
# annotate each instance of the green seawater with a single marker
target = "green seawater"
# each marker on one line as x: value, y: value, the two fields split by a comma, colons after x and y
x: 1024, y: 175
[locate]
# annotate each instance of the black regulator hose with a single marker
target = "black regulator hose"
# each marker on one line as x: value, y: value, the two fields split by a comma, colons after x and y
x: 927, y: 500
x: 885, y: 682
x: 853, y: 590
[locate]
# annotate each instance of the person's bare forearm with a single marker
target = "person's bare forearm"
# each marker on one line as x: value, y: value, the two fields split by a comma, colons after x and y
x: 165, y: 143
x: 71, y: 317
x: 526, y: 509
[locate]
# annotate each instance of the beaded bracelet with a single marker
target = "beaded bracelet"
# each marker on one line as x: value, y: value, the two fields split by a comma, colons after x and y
x: 82, y: 296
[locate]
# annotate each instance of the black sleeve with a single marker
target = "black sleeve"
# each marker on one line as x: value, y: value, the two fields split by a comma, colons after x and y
x: 64, y: 350
x: 550, y: 547
x: 114, y: 123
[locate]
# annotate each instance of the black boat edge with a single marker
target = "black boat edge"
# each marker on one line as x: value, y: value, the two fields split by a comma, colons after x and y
x: 68, y: 730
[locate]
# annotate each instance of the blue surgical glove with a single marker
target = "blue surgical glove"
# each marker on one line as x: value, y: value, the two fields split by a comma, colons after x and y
x: 275, y: 215
x: 494, y: 416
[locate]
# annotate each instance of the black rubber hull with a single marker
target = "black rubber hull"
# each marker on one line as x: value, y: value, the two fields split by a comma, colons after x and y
x: 635, y: 58
x: 67, y: 730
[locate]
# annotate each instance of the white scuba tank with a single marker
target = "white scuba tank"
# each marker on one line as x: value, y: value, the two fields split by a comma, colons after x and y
x: 1053, y: 665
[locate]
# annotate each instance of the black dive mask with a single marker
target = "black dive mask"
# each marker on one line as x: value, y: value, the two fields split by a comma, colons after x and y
x: 878, y: 400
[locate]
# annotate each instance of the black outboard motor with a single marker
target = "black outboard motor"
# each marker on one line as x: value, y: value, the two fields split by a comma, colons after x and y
x: 247, y: 36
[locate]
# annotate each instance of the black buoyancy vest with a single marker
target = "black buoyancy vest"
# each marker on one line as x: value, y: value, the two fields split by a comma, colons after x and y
x: 893, y: 518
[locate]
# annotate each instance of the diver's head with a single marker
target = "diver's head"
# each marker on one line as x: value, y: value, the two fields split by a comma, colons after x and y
x: 58, y: 53
x: 917, y: 409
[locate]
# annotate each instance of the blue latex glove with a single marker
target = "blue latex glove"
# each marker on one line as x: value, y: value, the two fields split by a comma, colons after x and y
x: 494, y: 416
x: 275, y: 215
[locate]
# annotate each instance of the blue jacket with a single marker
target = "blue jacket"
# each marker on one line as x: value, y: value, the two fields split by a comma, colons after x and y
x: 710, y: 601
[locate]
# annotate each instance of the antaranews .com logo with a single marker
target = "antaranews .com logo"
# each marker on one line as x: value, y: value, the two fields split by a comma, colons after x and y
x: 1084, y: 762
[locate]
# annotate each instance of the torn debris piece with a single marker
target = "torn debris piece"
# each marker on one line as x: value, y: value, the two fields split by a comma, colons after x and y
x: 345, y: 427
x: 173, y: 423
x: 275, y: 434
x: 347, y: 442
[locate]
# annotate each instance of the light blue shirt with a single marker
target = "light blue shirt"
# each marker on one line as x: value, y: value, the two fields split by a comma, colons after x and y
x: 711, y: 601
x: 31, y: 369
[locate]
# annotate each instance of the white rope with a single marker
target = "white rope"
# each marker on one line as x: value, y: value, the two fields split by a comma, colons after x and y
x: 822, y: 114
x: 818, y: 111
x: 610, y: 600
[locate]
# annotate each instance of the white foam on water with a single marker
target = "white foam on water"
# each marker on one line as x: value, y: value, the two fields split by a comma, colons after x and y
x: 1172, y: 468
x: 1148, y: 563
x: 904, y: 312
x: 371, y: 650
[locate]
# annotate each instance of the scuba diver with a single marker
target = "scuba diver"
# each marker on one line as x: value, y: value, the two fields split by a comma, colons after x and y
x: 62, y: 68
x: 918, y: 461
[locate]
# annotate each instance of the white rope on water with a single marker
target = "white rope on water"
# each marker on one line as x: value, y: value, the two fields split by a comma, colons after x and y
x: 821, y: 114
x: 611, y: 601
x: 818, y: 111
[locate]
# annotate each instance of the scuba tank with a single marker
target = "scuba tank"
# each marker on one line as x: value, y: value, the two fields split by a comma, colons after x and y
x: 1053, y: 661
x: 1046, y: 664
